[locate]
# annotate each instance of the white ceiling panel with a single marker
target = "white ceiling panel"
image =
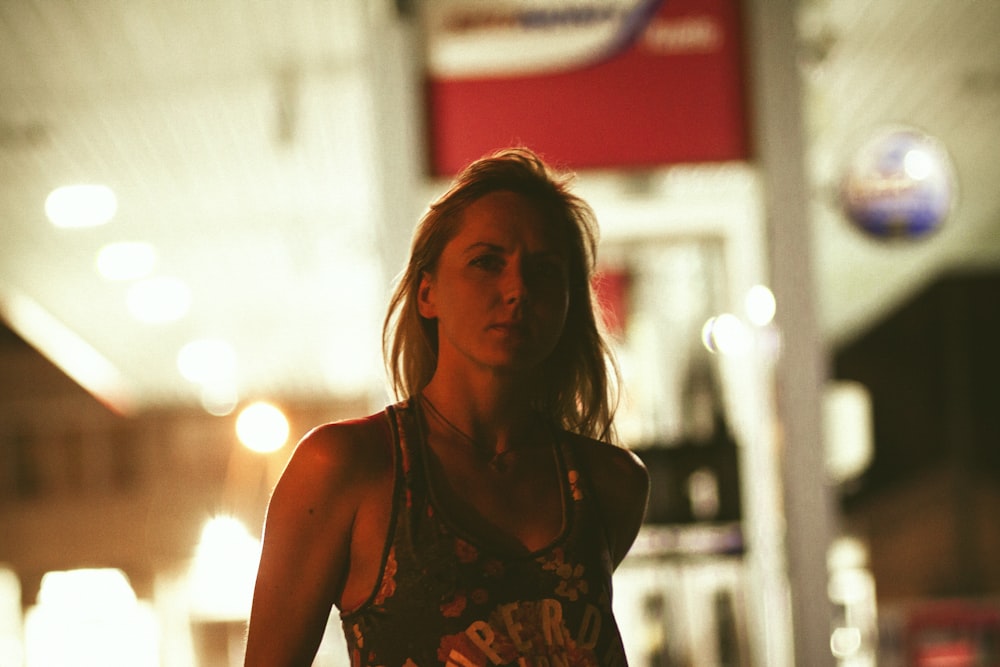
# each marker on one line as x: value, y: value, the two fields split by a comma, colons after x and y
x: 239, y: 139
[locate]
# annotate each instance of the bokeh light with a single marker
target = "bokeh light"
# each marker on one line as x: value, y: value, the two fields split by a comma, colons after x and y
x: 126, y: 260
x: 81, y: 205
x: 223, y: 571
x: 726, y: 334
x: 262, y: 427
x: 760, y: 305
x: 97, y: 619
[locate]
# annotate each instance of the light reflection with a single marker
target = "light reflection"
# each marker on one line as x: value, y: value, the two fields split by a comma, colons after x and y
x: 262, y: 427
x: 845, y: 642
x: 126, y: 260
x: 918, y: 163
x: 159, y: 300
x: 851, y: 589
x: 82, y: 205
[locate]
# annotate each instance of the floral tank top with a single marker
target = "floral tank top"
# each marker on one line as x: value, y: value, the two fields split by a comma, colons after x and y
x: 443, y: 599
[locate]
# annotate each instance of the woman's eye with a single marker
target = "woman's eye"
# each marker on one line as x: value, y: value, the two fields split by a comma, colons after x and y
x: 487, y: 262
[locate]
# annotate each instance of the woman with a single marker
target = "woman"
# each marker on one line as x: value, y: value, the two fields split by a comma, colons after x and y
x: 478, y: 521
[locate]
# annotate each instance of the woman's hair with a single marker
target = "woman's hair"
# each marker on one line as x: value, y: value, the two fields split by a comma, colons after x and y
x: 577, y: 384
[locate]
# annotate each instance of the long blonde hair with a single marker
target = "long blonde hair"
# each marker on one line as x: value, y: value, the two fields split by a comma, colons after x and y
x: 578, y: 382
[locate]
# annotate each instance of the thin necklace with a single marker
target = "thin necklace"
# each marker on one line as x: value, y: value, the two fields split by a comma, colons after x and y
x: 497, y: 462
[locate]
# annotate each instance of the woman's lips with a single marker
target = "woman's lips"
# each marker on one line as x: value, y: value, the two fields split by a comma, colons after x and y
x: 511, y: 328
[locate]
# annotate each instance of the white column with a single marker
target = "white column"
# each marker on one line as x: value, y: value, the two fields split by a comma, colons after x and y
x: 800, y: 372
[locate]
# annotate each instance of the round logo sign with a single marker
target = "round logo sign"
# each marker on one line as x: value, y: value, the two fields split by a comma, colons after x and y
x: 900, y: 185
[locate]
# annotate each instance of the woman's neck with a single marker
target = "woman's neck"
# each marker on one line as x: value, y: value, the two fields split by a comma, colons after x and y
x: 493, y: 419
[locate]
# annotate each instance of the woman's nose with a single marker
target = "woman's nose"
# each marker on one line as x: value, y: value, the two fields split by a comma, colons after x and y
x: 515, y: 284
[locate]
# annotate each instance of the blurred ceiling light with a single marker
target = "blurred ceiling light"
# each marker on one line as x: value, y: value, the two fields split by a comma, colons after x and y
x: 760, y: 305
x: 157, y: 300
x: 262, y: 427
x: 126, y: 260
x: 81, y: 205
x: 207, y: 361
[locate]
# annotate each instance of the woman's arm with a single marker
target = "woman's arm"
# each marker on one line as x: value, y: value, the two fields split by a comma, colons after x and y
x: 307, y: 545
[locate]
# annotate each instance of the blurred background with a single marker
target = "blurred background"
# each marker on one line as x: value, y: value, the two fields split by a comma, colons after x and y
x: 203, y: 206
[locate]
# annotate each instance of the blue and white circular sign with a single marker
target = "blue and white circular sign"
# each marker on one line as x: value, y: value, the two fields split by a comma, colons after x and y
x: 900, y: 185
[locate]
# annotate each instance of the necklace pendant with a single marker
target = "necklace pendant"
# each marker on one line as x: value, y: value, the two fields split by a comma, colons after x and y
x: 498, y: 462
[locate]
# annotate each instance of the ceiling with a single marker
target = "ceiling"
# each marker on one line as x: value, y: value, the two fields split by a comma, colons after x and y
x: 254, y: 147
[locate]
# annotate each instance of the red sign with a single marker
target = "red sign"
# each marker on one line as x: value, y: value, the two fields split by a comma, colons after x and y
x: 591, y: 85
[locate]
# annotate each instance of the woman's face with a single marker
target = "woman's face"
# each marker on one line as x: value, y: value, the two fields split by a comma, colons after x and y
x: 500, y: 290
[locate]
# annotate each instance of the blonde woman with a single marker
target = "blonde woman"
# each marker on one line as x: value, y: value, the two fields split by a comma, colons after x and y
x: 477, y: 521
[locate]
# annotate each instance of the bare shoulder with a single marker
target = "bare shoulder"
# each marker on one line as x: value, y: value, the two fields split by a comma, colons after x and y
x: 357, y: 446
x: 611, y: 463
x: 621, y: 482
x: 333, y: 466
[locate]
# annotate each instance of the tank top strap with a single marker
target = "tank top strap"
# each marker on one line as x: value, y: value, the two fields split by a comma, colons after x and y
x: 574, y: 479
x: 585, y: 509
x: 400, y: 432
x: 412, y: 495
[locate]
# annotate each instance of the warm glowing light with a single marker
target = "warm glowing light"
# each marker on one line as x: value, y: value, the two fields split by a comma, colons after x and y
x: 223, y: 570
x: 725, y: 334
x: 207, y: 361
x: 158, y: 300
x: 81, y: 205
x: 126, y: 260
x: 90, y: 618
x: 262, y: 427
x: 760, y: 305
x: 223, y: 537
x: 104, y: 588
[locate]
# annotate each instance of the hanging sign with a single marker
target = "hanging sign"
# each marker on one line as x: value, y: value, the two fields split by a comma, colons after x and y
x: 589, y: 84
x: 899, y: 185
